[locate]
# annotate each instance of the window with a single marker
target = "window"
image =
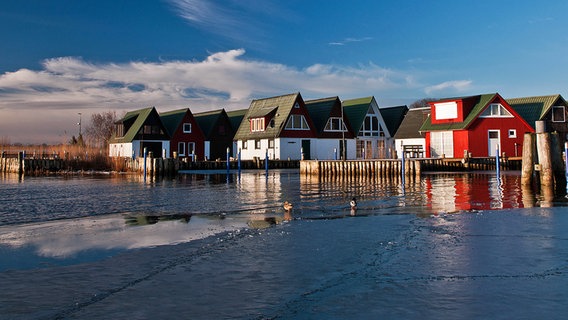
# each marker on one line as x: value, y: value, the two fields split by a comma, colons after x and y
x: 257, y: 144
x: 245, y: 144
x: 335, y: 124
x: 296, y: 106
x: 181, y: 148
x: 187, y: 128
x: 512, y: 133
x: 297, y: 122
x: 496, y: 110
x: 371, y: 126
x: 271, y: 143
x: 150, y: 129
x: 119, y: 130
x: 558, y: 114
x: 191, y: 148
x: 257, y: 124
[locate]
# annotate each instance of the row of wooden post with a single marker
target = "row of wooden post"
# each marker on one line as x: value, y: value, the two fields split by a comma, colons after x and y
x: 542, y: 160
x: 360, y: 168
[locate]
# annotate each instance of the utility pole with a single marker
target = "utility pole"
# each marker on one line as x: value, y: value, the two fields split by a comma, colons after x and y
x: 79, y: 124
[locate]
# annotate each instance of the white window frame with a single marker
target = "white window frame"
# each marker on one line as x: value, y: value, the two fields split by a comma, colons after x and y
x: 496, y: 110
x: 257, y: 144
x: 334, y: 124
x: 257, y: 124
x: 185, y: 127
x: 368, y: 127
x: 512, y: 133
x: 190, y: 148
x: 181, y: 148
x: 293, y: 124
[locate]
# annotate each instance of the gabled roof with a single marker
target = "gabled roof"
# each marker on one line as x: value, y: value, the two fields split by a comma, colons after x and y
x: 137, y: 118
x: 236, y: 117
x: 410, y: 126
x: 207, y: 121
x: 172, y: 119
x: 481, y: 101
x: 320, y: 111
x: 356, y: 111
x: 280, y: 105
x: 393, y: 117
x: 533, y: 109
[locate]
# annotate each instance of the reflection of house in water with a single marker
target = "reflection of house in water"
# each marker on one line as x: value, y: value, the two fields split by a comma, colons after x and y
x: 471, y: 191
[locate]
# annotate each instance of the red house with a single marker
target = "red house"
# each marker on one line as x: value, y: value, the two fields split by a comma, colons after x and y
x: 474, y: 126
x: 187, y: 139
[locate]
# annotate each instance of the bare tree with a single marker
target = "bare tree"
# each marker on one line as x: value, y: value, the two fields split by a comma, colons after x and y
x: 421, y: 103
x: 100, y: 130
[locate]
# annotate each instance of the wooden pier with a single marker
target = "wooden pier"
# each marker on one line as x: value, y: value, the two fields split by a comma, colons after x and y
x: 389, y: 168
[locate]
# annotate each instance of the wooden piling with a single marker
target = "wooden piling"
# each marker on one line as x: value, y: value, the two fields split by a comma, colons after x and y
x: 544, y: 159
x: 527, y: 166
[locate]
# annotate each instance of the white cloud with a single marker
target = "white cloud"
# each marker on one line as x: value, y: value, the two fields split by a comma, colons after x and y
x: 449, y: 86
x: 227, y: 80
x: 349, y: 40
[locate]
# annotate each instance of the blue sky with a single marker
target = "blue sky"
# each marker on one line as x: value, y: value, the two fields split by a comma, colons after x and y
x: 62, y: 57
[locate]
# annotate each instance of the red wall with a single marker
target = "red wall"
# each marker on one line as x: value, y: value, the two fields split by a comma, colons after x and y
x: 195, y: 136
x: 300, y: 133
x: 478, y: 135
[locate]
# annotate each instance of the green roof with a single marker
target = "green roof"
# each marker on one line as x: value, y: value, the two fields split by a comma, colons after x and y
x: 393, y: 117
x: 481, y: 102
x: 280, y: 105
x: 137, y: 117
x: 356, y: 110
x: 207, y: 121
x: 533, y: 109
x: 320, y: 111
x: 236, y: 117
x: 172, y: 119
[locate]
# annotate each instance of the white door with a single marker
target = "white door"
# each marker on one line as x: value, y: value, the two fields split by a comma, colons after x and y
x: 441, y: 144
x: 493, y: 142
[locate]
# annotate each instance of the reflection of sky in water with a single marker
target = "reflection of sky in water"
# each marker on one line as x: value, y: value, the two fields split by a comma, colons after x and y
x: 67, y: 220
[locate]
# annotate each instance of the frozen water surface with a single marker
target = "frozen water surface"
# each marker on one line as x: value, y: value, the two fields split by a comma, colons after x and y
x: 201, y: 247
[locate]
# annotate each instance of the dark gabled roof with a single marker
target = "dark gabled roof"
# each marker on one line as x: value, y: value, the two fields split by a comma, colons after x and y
x: 207, y: 121
x: 410, y: 125
x: 320, y: 111
x: 481, y: 101
x: 356, y: 110
x: 236, y: 117
x: 138, y: 117
x: 172, y: 119
x: 533, y: 109
x: 393, y: 117
x: 281, y: 105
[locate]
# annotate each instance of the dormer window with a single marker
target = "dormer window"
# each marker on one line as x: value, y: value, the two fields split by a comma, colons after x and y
x: 257, y: 124
x: 297, y: 122
x: 496, y: 110
x: 558, y: 114
x: 335, y: 124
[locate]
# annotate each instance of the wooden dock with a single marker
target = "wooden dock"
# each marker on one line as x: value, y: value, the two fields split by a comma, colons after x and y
x: 389, y: 168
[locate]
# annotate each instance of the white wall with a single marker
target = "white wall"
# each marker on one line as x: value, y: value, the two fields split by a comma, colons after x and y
x: 284, y: 148
x: 407, y: 142
x: 120, y: 150
x: 133, y: 149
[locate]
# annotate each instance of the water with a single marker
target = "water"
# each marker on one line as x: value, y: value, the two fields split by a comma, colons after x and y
x: 201, y: 246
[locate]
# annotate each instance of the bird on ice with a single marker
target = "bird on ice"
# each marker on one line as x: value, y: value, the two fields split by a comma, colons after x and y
x: 353, y: 204
x: 288, y: 206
